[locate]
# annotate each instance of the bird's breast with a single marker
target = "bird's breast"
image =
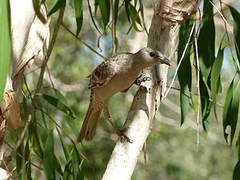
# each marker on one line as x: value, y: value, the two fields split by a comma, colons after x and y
x: 119, y: 82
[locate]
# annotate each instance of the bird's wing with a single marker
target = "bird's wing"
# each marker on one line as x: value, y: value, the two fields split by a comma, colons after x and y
x: 106, y: 71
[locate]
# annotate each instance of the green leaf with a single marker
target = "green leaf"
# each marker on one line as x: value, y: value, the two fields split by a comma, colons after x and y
x: 76, y: 163
x: 68, y: 170
x: 231, y: 108
x: 58, y: 104
x: 5, y: 44
x: 235, y: 109
x: 205, y: 102
x: 57, y: 165
x: 59, y: 4
x: 19, y: 159
x: 27, y: 161
x: 63, y: 146
x: 206, y: 52
x: 215, y: 74
x: 185, y: 70
x: 49, y: 157
x: 236, y: 30
x: 226, y: 109
x: 104, y: 6
x: 206, y: 40
x: 37, y: 7
x: 116, y: 6
x: 35, y: 139
x: 78, y: 4
x: 236, y: 172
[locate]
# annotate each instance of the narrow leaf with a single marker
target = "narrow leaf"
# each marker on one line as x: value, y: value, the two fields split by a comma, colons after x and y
x: 235, y: 109
x: 104, y: 6
x: 236, y: 172
x: 231, y: 109
x: 49, y: 158
x: 236, y: 30
x: 206, y: 40
x: 59, y: 4
x: 5, y: 44
x: 215, y: 74
x: 185, y: 70
x: 206, y: 50
x: 58, y: 104
x: 78, y: 14
x: 66, y: 154
x: 37, y: 7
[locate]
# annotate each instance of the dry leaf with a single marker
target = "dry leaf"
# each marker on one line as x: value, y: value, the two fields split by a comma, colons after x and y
x: 10, y: 110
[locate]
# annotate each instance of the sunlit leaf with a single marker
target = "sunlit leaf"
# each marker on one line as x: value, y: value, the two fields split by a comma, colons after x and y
x: 78, y: 4
x: 5, y: 44
x: 59, y: 4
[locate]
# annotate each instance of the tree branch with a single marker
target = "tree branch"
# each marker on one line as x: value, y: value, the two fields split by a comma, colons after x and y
x: 163, y: 36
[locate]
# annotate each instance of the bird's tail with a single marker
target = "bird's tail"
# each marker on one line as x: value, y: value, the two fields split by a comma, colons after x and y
x: 89, y: 125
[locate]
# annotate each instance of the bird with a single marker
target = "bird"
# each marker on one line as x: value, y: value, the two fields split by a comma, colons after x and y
x: 113, y: 75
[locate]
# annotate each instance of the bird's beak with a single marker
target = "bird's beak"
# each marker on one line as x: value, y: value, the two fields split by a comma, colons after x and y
x: 164, y: 60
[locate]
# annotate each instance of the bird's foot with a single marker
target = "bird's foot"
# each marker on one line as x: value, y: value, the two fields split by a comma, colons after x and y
x: 123, y: 138
x: 142, y: 78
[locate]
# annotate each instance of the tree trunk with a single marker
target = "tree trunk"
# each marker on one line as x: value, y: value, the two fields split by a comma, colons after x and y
x: 163, y: 36
x: 30, y: 38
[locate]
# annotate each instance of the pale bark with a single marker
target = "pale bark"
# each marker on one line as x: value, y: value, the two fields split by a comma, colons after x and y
x: 163, y: 36
x: 30, y: 39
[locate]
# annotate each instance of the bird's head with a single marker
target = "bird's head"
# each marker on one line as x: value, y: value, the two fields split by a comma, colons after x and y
x: 149, y: 57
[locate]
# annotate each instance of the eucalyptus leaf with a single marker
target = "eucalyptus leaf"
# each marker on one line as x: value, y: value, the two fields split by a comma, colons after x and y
x: 5, y: 44
x: 59, y: 4
x: 49, y: 158
x: 78, y: 6
x: 58, y: 104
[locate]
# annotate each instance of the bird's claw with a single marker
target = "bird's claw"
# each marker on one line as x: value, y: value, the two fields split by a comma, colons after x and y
x: 123, y: 138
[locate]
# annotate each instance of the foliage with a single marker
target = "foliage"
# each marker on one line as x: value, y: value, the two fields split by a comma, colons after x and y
x: 5, y: 45
x: 49, y: 149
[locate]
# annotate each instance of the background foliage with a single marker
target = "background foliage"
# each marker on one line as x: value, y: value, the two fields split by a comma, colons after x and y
x: 49, y: 149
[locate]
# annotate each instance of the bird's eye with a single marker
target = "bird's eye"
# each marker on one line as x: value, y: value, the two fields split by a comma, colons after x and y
x: 152, y: 54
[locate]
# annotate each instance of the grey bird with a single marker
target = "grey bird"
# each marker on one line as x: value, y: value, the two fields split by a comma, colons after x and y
x: 115, y: 74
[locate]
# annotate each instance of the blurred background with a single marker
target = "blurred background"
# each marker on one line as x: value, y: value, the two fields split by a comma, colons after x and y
x: 171, y: 152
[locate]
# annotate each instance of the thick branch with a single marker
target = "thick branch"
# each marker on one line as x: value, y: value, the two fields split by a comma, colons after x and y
x: 163, y: 36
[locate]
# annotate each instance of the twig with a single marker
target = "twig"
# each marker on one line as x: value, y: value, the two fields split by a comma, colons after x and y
x: 50, y: 48
x: 21, y: 139
x: 221, y: 14
x: 113, y: 28
x: 87, y: 45
x: 198, y: 89
x: 180, y: 61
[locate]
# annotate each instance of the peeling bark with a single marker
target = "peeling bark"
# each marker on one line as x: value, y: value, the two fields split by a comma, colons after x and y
x: 163, y: 36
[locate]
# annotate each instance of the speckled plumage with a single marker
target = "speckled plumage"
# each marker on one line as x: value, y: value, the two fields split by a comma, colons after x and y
x: 113, y: 75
